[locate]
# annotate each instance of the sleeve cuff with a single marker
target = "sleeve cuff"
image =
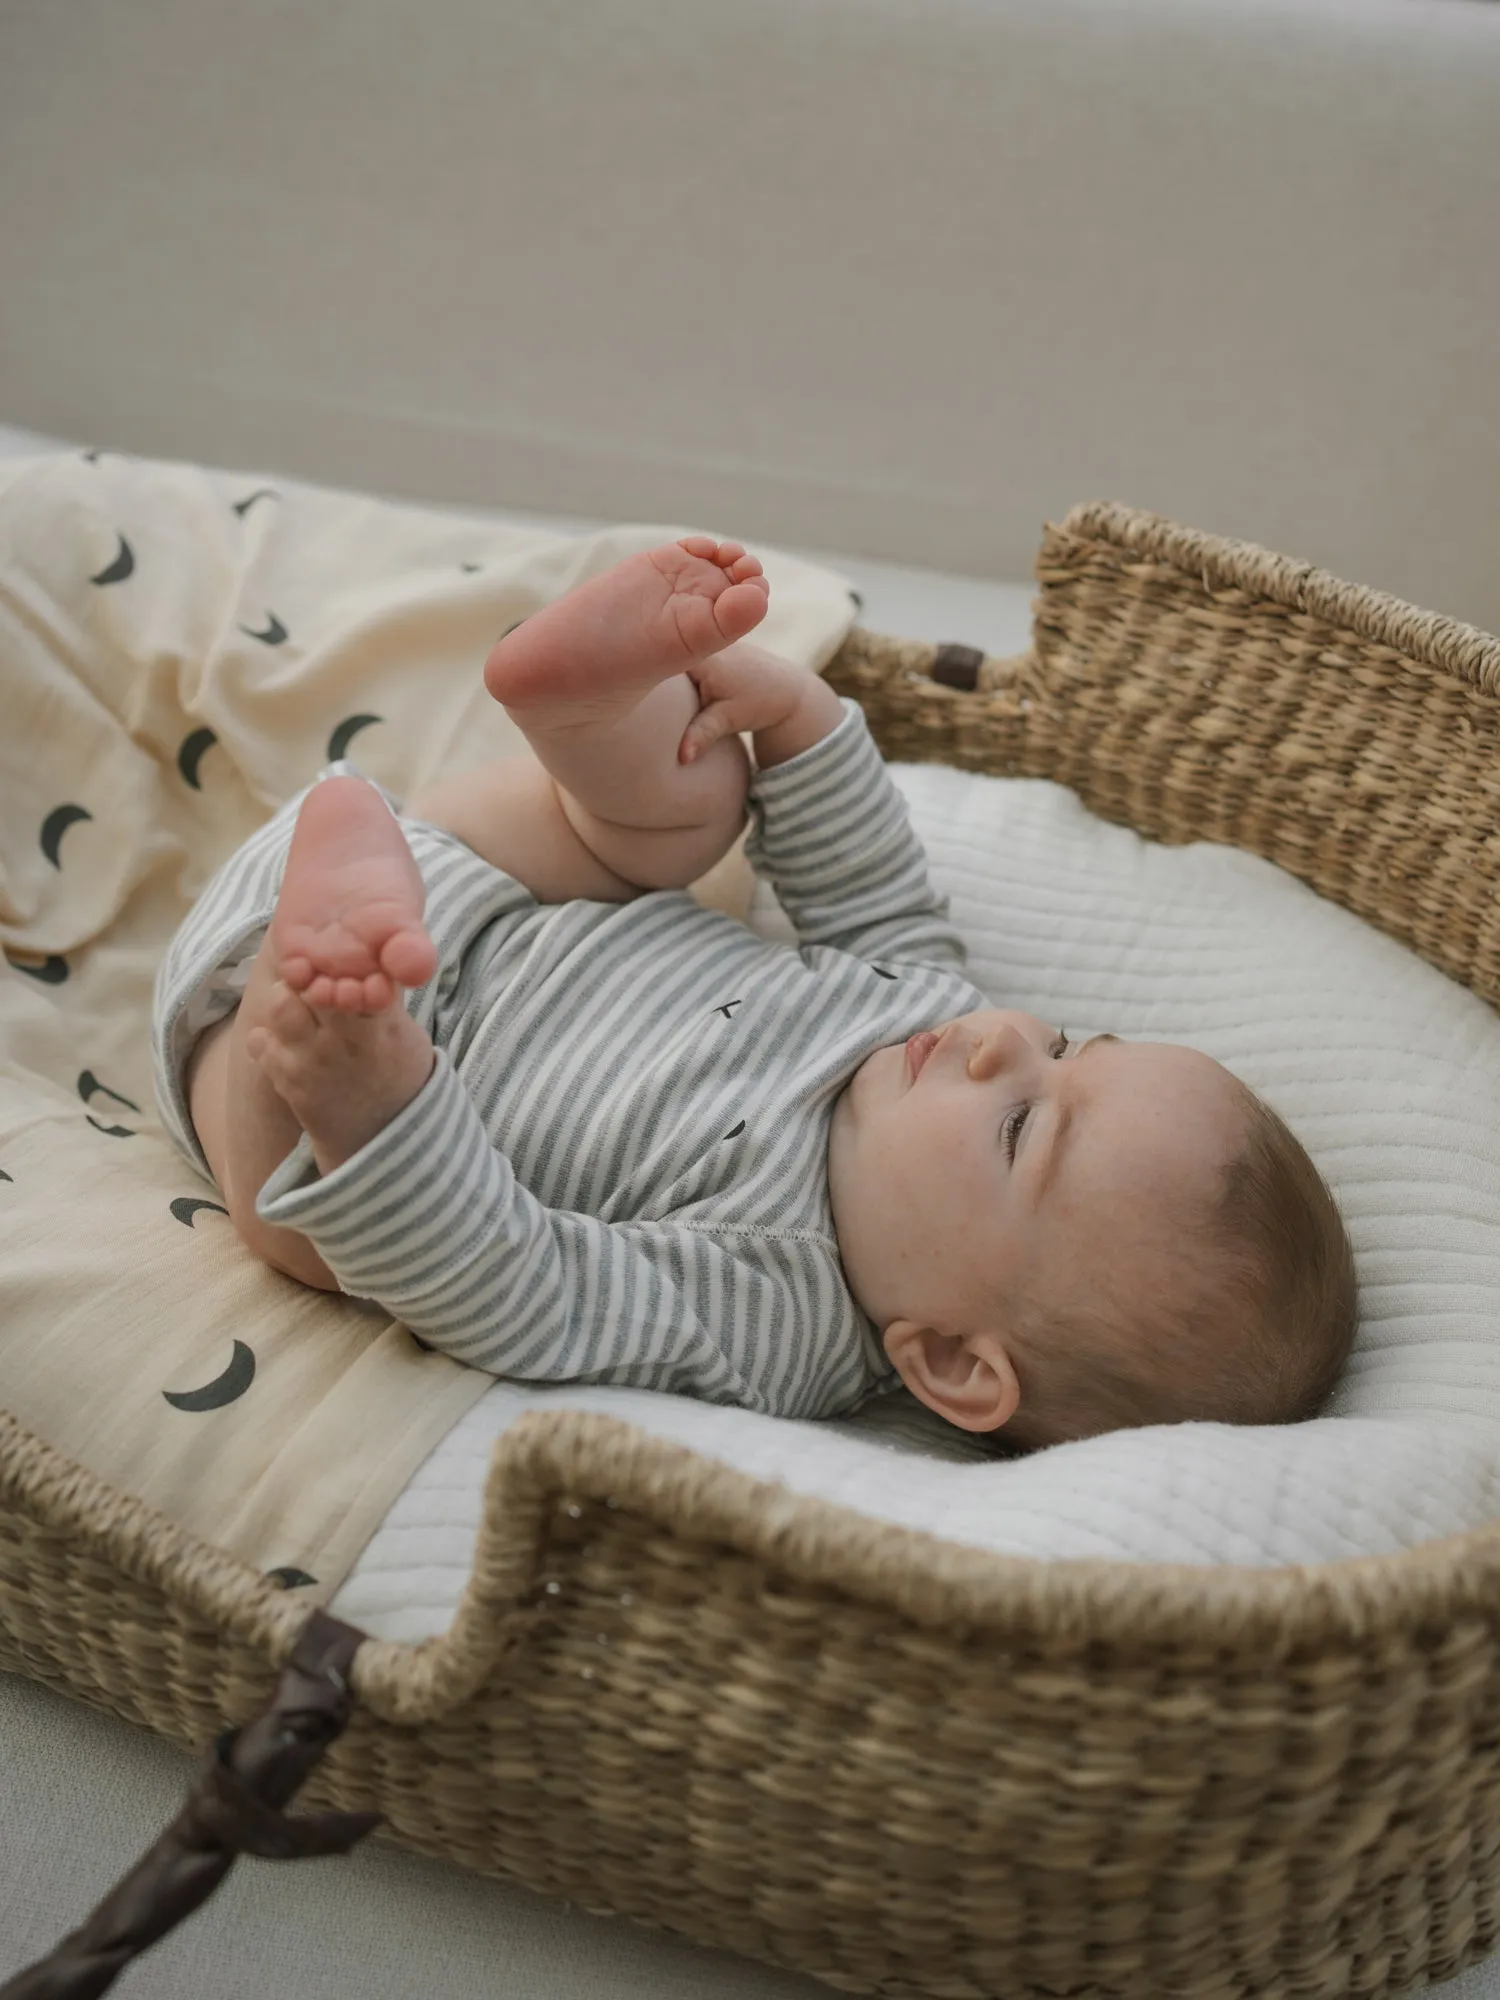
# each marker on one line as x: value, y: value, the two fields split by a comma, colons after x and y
x: 297, y: 1196
x: 835, y: 744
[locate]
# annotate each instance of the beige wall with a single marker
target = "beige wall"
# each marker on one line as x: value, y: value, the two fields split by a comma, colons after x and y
x: 851, y: 275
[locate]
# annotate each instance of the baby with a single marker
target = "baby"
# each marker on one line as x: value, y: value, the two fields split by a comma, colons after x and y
x: 488, y: 1064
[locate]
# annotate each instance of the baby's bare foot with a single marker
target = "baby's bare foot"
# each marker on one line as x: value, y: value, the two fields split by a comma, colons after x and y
x: 613, y: 638
x: 328, y: 1031
x: 343, y: 1076
x: 348, y: 924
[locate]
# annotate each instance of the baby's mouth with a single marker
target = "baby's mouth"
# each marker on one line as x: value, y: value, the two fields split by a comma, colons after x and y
x: 918, y: 1049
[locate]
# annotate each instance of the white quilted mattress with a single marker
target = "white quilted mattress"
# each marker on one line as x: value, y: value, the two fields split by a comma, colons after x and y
x: 1388, y: 1071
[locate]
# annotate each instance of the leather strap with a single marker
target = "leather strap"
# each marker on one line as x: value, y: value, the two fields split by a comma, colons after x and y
x: 234, y: 1807
x: 957, y: 666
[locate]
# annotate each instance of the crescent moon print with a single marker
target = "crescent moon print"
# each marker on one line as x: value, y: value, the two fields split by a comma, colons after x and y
x: 346, y: 732
x: 469, y: 568
x: 52, y: 971
x: 56, y: 824
x: 288, y: 1578
x: 4, y: 1176
x: 90, y: 1086
x: 273, y: 635
x: 185, y: 1207
x: 193, y: 750
x: 120, y: 568
x: 225, y: 1388
x: 242, y: 507
x: 735, y: 1133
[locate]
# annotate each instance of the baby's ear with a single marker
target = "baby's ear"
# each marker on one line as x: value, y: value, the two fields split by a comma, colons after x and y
x: 967, y: 1378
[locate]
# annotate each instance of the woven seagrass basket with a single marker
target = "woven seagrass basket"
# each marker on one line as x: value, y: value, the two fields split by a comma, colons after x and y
x: 901, y: 1766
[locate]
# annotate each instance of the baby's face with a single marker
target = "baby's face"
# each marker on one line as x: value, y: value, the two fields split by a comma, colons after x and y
x: 988, y: 1159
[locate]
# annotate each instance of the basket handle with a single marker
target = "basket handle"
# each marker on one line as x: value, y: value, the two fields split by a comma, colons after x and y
x: 234, y: 1807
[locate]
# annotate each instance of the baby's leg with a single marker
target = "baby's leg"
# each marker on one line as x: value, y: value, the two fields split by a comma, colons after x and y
x: 320, y: 1043
x: 596, y: 682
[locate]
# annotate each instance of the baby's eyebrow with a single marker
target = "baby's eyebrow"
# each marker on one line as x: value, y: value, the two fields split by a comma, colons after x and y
x: 1062, y: 1125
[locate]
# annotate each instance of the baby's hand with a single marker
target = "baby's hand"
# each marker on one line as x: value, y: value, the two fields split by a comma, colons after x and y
x: 746, y: 688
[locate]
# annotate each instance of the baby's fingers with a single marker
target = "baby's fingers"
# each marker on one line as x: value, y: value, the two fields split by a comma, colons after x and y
x: 705, y: 729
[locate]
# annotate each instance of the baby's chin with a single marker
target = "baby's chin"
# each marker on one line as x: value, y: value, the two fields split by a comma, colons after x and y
x: 889, y: 1054
x: 861, y: 1081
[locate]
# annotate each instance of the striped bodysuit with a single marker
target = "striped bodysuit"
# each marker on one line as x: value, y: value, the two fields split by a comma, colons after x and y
x: 617, y: 1171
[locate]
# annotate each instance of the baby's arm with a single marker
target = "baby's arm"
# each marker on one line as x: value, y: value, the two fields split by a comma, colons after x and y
x: 429, y: 1220
x: 830, y: 831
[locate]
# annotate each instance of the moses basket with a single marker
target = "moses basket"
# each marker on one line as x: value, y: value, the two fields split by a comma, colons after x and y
x: 895, y: 1764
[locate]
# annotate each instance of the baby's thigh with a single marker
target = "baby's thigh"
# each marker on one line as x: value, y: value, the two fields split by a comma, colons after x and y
x: 510, y: 814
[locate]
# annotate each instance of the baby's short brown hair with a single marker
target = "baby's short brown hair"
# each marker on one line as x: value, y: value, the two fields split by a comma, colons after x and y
x: 1256, y: 1332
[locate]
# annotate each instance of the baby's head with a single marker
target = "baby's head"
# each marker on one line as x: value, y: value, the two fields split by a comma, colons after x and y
x: 1065, y: 1240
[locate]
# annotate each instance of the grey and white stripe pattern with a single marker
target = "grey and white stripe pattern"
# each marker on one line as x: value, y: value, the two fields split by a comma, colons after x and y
x: 618, y: 1170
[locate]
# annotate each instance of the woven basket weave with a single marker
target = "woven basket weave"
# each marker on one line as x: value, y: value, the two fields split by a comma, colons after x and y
x: 898, y: 1765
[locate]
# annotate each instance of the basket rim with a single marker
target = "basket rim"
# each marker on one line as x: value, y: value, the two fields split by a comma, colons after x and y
x: 1071, y: 1606
x: 1222, y: 563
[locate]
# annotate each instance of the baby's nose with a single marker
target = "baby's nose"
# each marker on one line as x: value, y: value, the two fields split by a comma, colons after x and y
x: 995, y: 1048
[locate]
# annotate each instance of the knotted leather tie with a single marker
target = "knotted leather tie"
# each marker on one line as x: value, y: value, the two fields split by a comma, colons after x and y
x: 234, y: 1807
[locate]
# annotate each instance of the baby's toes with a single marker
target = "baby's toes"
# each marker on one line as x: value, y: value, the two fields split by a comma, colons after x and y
x: 743, y: 568
x: 289, y: 1015
x: 321, y: 991
x: 740, y: 608
x: 409, y: 958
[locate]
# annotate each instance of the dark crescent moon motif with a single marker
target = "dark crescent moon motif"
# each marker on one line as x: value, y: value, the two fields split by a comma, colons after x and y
x: 856, y: 600
x: 347, y: 730
x: 52, y: 971
x: 56, y: 824
x: 736, y: 1132
x: 289, y: 1578
x: 471, y: 567
x: 88, y: 1084
x: 881, y: 973
x: 185, y: 1207
x: 4, y: 1176
x: 120, y: 568
x: 273, y: 635
x: 225, y: 1388
x: 242, y: 507
x: 191, y: 754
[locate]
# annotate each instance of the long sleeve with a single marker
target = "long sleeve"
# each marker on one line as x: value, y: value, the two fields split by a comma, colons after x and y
x: 832, y: 835
x: 430, y: 1221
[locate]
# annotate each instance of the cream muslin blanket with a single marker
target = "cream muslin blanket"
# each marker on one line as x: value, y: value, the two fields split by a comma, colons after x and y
x: 180, y: 651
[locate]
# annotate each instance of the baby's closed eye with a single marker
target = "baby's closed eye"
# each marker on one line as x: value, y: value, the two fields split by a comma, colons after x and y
x: 1014, y: 1119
